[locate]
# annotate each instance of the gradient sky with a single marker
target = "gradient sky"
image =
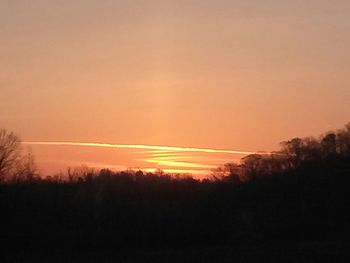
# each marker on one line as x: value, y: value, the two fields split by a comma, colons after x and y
x: 241, y: 75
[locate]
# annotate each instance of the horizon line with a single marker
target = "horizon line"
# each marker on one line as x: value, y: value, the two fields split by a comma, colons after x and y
x: 147, y: 147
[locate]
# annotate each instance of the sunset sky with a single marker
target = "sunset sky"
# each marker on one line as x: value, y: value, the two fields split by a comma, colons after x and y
x: 237, y: 75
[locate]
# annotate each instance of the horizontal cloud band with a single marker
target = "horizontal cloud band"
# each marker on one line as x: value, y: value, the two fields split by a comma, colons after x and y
x: 138, y: 146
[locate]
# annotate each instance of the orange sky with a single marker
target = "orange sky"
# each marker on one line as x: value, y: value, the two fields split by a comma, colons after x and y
x: 220, y: 74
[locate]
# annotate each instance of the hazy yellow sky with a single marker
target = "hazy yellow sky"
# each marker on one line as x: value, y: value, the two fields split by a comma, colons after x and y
x: 239, y: 75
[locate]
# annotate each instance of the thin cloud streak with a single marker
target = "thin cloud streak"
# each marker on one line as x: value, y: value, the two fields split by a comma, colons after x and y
x: 140, y: 146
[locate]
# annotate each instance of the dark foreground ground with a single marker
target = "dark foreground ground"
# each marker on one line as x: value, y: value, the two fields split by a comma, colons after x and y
x: 272, y: 252
x: 286, y: 207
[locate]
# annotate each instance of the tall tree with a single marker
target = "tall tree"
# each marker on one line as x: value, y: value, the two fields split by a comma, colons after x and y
x: 10, y: 153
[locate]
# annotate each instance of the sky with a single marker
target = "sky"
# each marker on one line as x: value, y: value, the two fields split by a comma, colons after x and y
x: 239, y: 75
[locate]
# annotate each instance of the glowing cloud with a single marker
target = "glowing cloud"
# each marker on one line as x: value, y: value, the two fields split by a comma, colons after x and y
x: 139, y: 146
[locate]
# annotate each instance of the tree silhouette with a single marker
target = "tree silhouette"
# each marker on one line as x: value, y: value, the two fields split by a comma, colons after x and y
x: 10, y: 153
x: 14, y: 165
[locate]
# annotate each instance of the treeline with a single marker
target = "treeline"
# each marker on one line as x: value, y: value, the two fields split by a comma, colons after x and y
x: 293, y: 154
x: 299, y: 193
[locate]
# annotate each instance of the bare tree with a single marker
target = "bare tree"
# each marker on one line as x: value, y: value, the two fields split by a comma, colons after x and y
x: 14, y: 164
x: 10, y: 153
x: 26, y: 169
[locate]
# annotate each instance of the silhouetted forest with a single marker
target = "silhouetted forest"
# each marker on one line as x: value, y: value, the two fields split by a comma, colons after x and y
x: 299, y: 194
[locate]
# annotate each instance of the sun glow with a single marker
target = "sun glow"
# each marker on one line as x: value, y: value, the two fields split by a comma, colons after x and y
x: 175, y: 163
